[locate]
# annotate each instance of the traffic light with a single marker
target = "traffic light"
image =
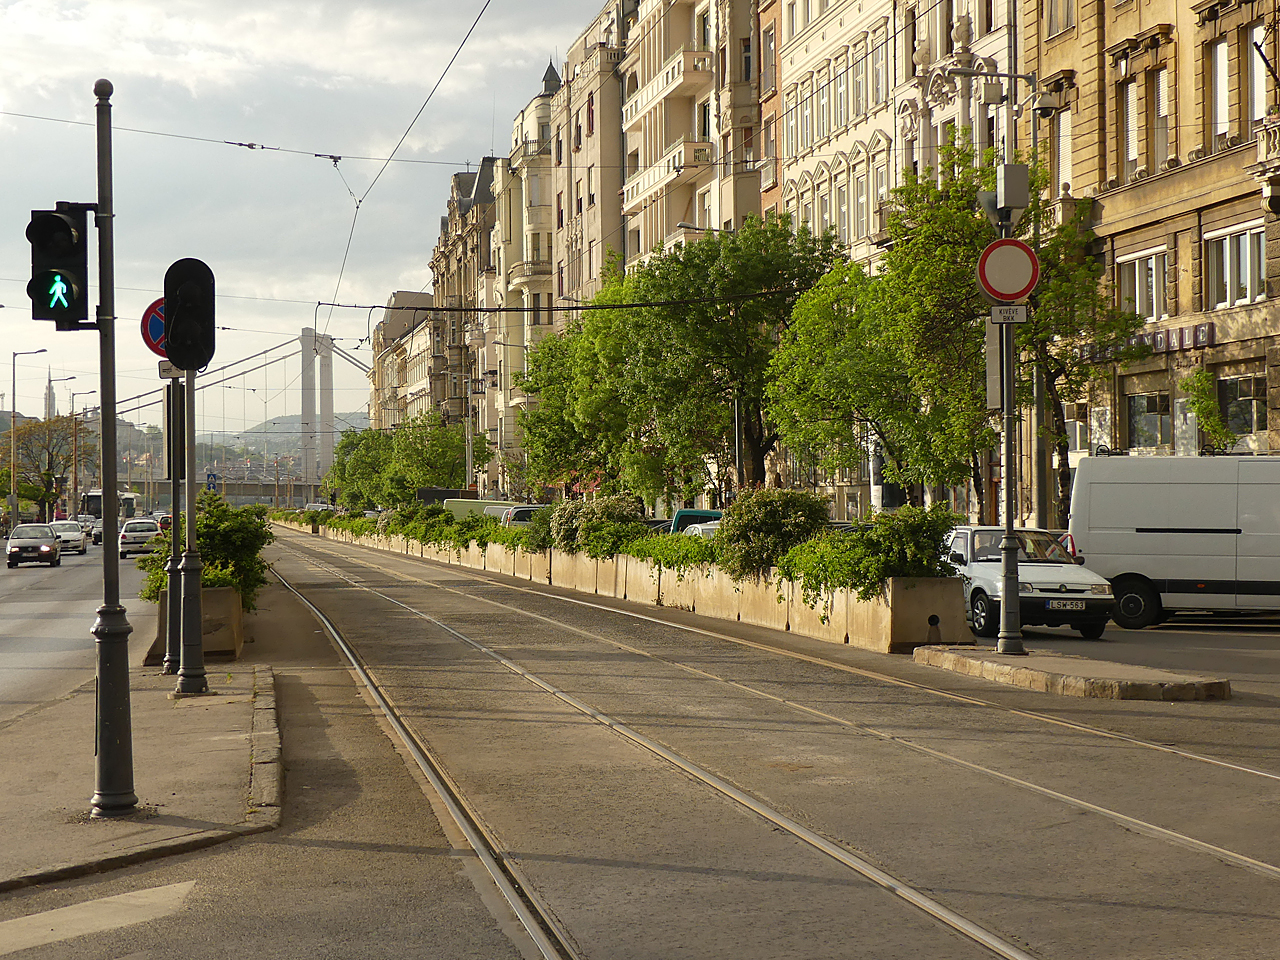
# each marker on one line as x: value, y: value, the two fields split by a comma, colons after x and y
x: 188, y: 314
x: 59, y: 288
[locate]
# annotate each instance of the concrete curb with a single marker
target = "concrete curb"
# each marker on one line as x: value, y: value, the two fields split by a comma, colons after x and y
x: 263, y: 812
x: 966, y: 662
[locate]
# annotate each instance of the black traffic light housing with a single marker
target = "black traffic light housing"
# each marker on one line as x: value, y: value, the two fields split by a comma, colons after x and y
x: 188, y: 314
x: 59, y: 285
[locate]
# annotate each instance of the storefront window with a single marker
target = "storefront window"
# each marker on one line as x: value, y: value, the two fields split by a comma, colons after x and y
x: 1150, y: 420
x: 1243, y: 401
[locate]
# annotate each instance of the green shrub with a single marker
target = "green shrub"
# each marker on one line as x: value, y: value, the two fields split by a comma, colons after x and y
x: 906, y: 543
x: 565, y: 517
x: 537, y: 535
x: 673, y: 551
x: 608, y: 539
x: 577, y: 523
x: 230, y: 541
x: 761, y: 525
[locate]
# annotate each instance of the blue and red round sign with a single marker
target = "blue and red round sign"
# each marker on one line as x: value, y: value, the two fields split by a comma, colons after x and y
x: 153, y: 328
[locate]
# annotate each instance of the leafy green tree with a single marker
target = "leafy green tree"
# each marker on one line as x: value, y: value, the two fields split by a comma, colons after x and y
x: 360, y: 474
x: 427, y: 452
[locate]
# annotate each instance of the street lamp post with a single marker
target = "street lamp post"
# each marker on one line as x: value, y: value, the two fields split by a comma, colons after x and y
x: 13, y: 436
x: 48, y: 432
x: 75, y: 452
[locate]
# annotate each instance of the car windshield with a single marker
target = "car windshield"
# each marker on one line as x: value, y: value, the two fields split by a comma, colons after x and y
x: 1034, y: 547
x: 142, y: 527
x: 66, y: 526
x: 32, y: 531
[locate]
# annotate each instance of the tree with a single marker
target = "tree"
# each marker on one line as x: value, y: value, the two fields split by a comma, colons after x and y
x: 45, y: 453
x: 428, y: 452
x: 360, y: 474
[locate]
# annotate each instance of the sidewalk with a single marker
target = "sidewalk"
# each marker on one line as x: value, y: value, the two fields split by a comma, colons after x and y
x: 206, y: 770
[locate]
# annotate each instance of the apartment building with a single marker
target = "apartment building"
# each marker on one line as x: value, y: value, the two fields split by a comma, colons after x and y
x: 399, y: 376
x: 1163, y: 114
x: 587, y: 159
x: 689, y: 118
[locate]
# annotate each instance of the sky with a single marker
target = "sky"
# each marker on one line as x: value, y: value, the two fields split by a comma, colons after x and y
x: 279, y: 225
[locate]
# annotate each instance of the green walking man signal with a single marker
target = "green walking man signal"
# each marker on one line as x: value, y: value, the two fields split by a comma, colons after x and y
x: 58, y: 289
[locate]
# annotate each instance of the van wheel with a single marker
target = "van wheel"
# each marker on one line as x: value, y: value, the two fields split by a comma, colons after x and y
x: 1092, y: 631
x: 1137, y: 604
x: 986, y: 615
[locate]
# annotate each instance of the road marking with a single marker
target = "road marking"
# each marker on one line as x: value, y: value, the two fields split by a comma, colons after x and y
x: 93, y: 916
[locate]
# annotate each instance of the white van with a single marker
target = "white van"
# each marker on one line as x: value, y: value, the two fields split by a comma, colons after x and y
x: 460, y: 507
x: 1180, y: 533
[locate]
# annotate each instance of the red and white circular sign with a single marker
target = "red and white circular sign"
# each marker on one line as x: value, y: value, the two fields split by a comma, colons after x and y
x: 1008, y: 270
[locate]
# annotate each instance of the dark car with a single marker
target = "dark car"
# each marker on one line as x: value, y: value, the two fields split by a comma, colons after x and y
x: 34, y: 543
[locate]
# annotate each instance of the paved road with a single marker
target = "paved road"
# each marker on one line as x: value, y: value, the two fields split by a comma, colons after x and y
x: 46, y: 613
x: 1054, y: 839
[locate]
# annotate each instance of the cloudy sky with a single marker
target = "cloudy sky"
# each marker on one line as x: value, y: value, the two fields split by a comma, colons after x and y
x: 338, y: 78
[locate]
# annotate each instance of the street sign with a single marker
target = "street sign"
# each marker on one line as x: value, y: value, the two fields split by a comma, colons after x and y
x: 211, y: 481
x: 169, y: 372
x: 1008, y: 270
x: 1013, y: 313
x: 153, y: 329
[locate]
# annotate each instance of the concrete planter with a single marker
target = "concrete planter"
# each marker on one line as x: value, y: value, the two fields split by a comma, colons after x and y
x: 498, y: 559
x: 718, y: 595
x: 611, y: 576
x: 221, y: 626
x: 758, y: 603
x: 473, y: 556
x: 898, y: 620
x: 643, y: 583
x: 808, y: 621
x: 577, y: 571
x: 680, y: 588
x: 540, y: 566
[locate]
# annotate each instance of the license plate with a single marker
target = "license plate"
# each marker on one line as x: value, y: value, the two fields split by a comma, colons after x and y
x: 1066, y: 604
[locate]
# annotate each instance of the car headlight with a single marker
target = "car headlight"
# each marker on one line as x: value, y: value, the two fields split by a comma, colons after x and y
x: 45, y: 548
x: 1025, y: 588
x: 1101, y: 589
x: 13, y: 549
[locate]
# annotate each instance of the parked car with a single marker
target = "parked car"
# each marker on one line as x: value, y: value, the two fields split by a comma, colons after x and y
x: 520, y: 516
x: 1053, y: 588
x: 138, y: 536
x: 318, y: 506
x: 71, y: 535
x: 34, y: 543
x: 706, y: 529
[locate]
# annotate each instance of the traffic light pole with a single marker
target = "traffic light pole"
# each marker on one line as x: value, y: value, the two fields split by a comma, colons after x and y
x: 175, y: 427
x: 113, y: 794
x: 191, y: 675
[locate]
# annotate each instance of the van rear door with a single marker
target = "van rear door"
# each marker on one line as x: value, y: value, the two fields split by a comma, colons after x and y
x: 1258, y: 545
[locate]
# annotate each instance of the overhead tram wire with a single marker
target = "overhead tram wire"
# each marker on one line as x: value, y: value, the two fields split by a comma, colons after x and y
x: 733, y: 298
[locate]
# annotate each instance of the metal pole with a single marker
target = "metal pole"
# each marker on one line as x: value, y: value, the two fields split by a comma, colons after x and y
x: 1010, y: 639
x: 113, y: 794
x: 191, y: 675
x: 173, y: 614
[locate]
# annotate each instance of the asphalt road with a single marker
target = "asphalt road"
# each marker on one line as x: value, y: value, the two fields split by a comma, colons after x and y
x: 46, y: 615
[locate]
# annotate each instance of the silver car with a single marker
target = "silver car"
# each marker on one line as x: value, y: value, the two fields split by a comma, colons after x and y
x: 138, y: 536
x: 72, y: 536
x: 34, y: 543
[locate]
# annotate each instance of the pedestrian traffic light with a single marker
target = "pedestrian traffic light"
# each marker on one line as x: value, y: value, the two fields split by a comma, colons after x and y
x: 188, y: 314
x: 59, y: 289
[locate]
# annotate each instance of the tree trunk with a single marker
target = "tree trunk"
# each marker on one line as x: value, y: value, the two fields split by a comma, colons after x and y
x: 978, y: 486
x: 1061, y: 448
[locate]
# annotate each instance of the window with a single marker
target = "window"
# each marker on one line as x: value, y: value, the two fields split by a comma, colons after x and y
x: 909, y: 40
x: 1150, y: 422
x: 746, y: 61
x: 768, y: 76
x: 704, y: 120
x: 577, y: 198
x: 1160, y: 118
x: 577, y: 131
x: 1243, y: 402
x: 559, y: 148
x: 860, y: 85
x: 1235, y: 262
x: 824, y: 213
x: 824, y: 112
x: 591, y: 114
x: 842, y: 213
x: 560, y: 211
x: 591, y: 259
x: 1218, y: 103
x: 1257, y: 78
x: 537, y: 309
x: 1060, y: 14
x: 591, y: 186
x: 790, y: 142
x: 860, y: 207
x: 840, y: 100
x: 879, y: 70
x: 791, y: 20
x: 560, y: 278
x: 806, y: 216
x: 748, y: 145
x: 1142, y: 285
x: 1128, y: 130
x: 946, y: 23
x: 1062, y: 150
x: 806, y: 122
x: 704, y: 30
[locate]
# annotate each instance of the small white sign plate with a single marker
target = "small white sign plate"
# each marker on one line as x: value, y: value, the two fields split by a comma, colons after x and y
x: 169, y: 372
x: 1014, y: 313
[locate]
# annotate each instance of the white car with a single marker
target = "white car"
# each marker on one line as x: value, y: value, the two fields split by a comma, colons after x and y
x: 138, y: 536
x: 1053, y: 588
x: 706, y: 530
x: 72, y: 535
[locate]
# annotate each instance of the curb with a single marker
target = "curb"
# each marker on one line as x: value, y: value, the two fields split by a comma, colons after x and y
x: 263, y: 812
x: 1068, y: 685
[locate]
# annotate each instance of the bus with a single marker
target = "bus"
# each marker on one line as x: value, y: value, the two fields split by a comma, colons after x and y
x: 91, y: 504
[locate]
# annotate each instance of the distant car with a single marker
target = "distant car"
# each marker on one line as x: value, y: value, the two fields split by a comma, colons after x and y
x: 520, y: 516
x: 165, y: 521
x: 86, y: 521
x: 96, y: 533
x: 71, y: 535
x: 138, y: 536
x: 706, y: 530
x: 34, y: 543
x: 318, y: 506
x: 1054, y: 589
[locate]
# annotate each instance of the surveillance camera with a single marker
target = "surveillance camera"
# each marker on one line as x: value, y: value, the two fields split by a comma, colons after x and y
x: 1047, y: 104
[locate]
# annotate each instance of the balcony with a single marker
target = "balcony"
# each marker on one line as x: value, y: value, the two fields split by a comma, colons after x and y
x: 530, y: 148
x: 524, y: 271
x: 1267, y: 170
x: 768, y: 173
x: 681, y: 235
x: 686, y: 71
x: 682, y: 161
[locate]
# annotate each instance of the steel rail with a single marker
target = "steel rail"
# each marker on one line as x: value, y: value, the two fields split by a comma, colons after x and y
x: 552, y: 942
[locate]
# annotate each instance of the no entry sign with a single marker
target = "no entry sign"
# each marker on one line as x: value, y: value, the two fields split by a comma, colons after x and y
x: 153, y: 328
x: 1008, y: 270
